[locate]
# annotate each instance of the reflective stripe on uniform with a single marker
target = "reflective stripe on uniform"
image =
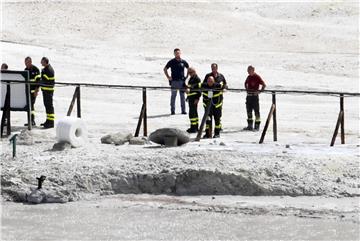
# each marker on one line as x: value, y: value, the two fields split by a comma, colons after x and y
x: 193, y: 93
x: 218, y: 126
x: 194, y: 120
x: 50, y: 116
x: 48, y: 78
x: 37, y: 77
x: 218, y: 94
x: 218, y: 105
x: 47, y: 88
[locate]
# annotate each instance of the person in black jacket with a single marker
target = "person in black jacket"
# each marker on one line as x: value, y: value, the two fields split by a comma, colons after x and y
x: 214, y: 80
x: 47, y: 88
x: 193, y: 97
x: 34, y: 75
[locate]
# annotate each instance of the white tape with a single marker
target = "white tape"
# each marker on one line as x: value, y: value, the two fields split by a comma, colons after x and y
x: 71, y: 130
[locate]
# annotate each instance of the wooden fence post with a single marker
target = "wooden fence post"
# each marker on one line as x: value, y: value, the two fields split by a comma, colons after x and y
x: 341, y: 115
x: 274, y: 117
x: 271, y: 112
x: 342, y: 130
x: 75, y: 96
x: 78, y: 102
x: 203, y: 121
x: 145, y: 111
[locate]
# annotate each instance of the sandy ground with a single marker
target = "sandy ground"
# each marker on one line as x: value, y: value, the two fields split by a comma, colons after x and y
x: 298, y: 46
x: 160, y: 217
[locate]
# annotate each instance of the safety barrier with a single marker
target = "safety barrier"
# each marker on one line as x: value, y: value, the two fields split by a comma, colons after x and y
x: 271, y: 116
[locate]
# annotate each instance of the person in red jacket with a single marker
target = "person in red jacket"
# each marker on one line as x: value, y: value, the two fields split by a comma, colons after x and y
x: 252, y: 86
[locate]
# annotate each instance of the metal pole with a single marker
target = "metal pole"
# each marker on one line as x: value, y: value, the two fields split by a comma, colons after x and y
x: 13, y: 141
x: 274, y: 117
x: 342, y: 129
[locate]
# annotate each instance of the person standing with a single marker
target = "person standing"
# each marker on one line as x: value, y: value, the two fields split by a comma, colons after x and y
x: 252, y: 85
x: 34, y: 75
x: 47, y: 88
x: 193, y: 97
x: 217, y: 82
x: 177, y: 79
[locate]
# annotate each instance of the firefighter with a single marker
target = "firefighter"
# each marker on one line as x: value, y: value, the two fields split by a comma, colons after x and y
x: 193, y: 97
x: 47, y: 88
x: 34, y: 75
x: 214, y: 80
x: 252, y: 85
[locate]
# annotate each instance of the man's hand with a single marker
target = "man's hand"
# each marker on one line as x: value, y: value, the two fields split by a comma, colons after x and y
x: 36, y: 92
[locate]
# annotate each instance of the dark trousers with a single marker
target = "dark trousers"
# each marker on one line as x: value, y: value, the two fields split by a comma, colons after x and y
x: 32, y: 99
x: 48, y: 103
x: 193, y: 113
x: 252, y: 104
x: 216, y: 112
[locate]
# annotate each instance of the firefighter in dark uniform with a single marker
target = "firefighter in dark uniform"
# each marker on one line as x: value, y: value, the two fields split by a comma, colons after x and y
x: 217, y: 82
x: 34, y: 75
x: 47, y: 88
x: 252, y: 84
x: 193, y: 97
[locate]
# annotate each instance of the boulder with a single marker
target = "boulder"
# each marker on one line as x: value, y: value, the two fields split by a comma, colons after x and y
x: 38, y: 196
x: 25, y: 138
x: 106, y: 139
x: 116, y: 138
x: 60, y: 146
x: 138, y: 141
x: 169, y: 137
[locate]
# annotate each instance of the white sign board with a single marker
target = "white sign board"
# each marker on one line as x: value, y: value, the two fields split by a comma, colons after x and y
x: 18, y: 91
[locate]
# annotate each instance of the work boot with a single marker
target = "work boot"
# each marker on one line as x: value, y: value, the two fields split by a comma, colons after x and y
x: 257, y: 126
x: 49, y: 124
x: 249, y: 127
x: 193, y: 129
x: 217, y: 133
x: 207, y: 134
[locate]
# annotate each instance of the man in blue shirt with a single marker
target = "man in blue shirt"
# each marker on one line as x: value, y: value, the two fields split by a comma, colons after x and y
x: 177, y: 79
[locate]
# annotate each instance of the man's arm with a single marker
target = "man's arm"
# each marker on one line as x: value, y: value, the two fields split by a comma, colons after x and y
x: 167, y: 74
x: 262, y: 83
